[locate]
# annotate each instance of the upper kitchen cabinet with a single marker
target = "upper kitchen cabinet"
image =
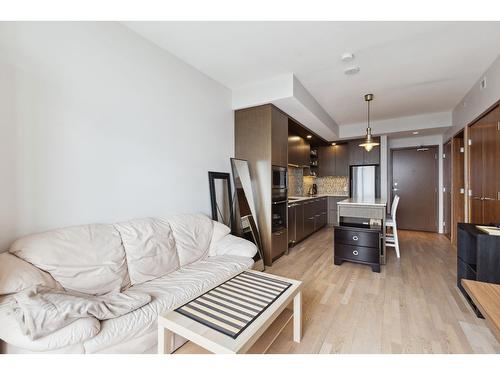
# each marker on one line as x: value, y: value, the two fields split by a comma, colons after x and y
x: 333, y: 160
x: 279, y: 138
x: 342, y: 159
x: 298, y: 151
x: 326, y: 161
x: 359, y: 156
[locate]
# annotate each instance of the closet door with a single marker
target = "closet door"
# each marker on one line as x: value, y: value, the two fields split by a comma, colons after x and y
x: 491, y: 167
x: 476, y: 173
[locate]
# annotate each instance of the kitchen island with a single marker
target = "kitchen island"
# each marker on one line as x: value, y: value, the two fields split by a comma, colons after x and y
x: 356, y: 219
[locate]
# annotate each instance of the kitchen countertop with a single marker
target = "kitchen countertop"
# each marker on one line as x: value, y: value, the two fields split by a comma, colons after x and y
x: 306, y: 197
x: 363, y: 202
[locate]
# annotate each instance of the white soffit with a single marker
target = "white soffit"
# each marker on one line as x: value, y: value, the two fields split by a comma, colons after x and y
x: 437, y: 122
x: 289, y: 95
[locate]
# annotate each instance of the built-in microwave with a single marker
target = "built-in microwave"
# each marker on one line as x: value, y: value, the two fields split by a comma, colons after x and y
x: 279, y: 177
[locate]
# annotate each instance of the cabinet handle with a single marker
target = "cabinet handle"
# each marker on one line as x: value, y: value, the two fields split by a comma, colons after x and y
x: 355, y: 252
x: 355, y: 238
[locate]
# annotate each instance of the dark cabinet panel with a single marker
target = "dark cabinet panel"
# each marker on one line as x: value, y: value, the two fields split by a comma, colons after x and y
x: 326, y: 162
x: 298, y: 150
x: 359, y: 156
x: 333, y: 160
x: 279, y: 243
x: 355, y: 153
x: 299, y: 222
x: 279, y: 138
x: 342, y: 160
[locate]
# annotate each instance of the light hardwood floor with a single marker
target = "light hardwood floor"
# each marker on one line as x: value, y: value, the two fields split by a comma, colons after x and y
x: 412, y: 306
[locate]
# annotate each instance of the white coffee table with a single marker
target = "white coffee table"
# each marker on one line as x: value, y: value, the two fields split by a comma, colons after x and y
x: 216, y: 342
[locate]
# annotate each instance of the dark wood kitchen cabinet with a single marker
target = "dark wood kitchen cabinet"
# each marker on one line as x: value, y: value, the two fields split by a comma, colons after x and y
x: 309, y: 216
x: 279, y: 138
x: 342, y: 159
x: 326, y: 161
x: 359, y: 156
x: 306, y: 217
x: 298, y: 151
x: 333, y: 160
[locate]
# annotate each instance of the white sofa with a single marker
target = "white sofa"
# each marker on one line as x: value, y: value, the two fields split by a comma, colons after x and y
x: 172, y: 259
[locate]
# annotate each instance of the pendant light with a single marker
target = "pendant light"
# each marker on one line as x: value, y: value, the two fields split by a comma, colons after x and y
x: 368, y: 142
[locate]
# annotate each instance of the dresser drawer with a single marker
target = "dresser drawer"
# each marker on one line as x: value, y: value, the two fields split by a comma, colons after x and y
x: 357, y: 238
x: 357, y: 253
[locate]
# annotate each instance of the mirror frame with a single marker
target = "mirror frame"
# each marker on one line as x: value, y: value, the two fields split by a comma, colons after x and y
x: 212, y: 176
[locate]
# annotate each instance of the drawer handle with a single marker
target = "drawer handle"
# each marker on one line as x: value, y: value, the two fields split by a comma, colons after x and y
x: 355, y: 252
x: 355, y: 238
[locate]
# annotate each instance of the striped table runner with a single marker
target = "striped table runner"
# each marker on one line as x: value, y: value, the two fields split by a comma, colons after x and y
x: 232, y: 306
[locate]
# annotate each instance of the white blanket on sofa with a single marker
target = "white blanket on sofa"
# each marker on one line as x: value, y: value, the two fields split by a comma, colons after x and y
x: 41, y: 311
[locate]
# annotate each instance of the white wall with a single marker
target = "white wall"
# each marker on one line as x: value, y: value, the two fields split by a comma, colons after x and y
x: 429, y: 140
x: 477, y: 100
x: 99, y: 125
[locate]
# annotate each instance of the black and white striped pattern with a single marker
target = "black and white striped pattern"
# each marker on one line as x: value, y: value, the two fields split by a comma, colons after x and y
x: 230, y: 307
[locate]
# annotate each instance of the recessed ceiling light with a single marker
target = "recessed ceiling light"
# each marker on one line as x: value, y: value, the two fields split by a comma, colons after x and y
x: 352, y: 70
x: 334, y: 144
x: 309, y: 136
x: 347, y: 56
x: 415, y: 133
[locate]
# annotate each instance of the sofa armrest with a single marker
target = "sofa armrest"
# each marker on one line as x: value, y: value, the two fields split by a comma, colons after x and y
x: 232, y: 245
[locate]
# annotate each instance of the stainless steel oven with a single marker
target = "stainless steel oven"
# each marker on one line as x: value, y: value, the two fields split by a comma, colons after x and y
x: 279, y: 177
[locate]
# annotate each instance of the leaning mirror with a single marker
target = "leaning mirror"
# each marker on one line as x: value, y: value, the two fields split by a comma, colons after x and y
x: 221, y: 198
x: 245, y: 208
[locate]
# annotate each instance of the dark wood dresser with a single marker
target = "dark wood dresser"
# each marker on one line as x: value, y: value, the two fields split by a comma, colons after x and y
x: 478, y: 258
x: 358, y: 244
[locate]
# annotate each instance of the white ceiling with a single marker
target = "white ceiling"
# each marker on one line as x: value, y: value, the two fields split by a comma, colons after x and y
x: 411, y: 67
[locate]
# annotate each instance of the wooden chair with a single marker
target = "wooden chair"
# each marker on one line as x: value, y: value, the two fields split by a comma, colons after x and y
x: 391, y: 239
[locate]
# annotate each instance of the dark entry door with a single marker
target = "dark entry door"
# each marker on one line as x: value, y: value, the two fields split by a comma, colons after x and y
x: 414, y: 179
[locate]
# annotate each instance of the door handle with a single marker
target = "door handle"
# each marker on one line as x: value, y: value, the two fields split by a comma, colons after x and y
x: 488, y: 199
x: 395, y: 189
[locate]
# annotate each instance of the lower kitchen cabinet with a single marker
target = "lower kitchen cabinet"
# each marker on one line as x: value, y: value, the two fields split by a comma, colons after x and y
x: 279, y: 243
x: 306, y: 217
x: 332, y: 210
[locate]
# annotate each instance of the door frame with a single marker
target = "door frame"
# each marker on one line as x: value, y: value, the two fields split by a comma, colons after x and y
x: 390, y: 163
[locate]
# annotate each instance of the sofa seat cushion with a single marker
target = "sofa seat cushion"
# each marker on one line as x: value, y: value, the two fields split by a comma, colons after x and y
x: 17, y: 274
x: 75, y: 333
x: 87, y: 258
x: 149, y: 248
x: 192, y: 235
x: 168, y: 292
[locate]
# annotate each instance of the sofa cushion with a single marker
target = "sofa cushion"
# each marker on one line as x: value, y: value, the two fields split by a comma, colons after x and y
x: 77, y: 332
x: 219, y: 232
x: 149, y: 248
x: 192, y: 235
x: 17, y: 274
x: 232, y: 245
x: 168, y: 292
x: 87, y: 258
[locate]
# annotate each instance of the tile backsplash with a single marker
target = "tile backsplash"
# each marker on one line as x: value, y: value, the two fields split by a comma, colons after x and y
x: 299, y: 185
